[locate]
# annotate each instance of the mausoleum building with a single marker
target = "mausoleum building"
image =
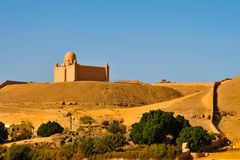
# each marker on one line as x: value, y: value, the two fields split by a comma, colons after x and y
x: 71, y: 71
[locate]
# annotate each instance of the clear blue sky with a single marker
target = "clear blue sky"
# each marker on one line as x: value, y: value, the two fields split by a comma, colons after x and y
x: 179, y: 40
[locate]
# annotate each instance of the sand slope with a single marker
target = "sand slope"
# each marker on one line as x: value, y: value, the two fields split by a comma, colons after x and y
x: 229, y: 102
x: 88, y: 92
x: 188, y: 106
x: 186, y: 88
x: 192, y: 106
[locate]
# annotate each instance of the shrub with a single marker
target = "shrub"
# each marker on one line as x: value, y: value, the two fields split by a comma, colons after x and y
x: 47, y: 153
x: 68, y: 151
x: 18, y: 152
x: 3, y: 133
x: 196, y: 137
x: 87, y: 120
x: 25, y: 134
x: 109, y: 143
x: 115, y: 127
x: 117, y: 140
x: 105, y: 123
x: 86, y: 146
x: 3, y: 150
x: 154, y: 126
x: 103, y: 145
x: 92, y: 146
x: 49, y: 128
x: 154, y: 151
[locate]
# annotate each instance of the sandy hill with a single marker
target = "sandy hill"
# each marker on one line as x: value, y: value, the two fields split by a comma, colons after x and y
x: 229, y: 95
x: 186, y: 88
x: 194, y: 107
x: 229, y: 107
x: 169, y: 97
x: 94, y: 93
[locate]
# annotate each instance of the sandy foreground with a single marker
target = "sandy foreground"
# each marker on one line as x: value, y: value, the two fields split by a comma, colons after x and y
x: 226, y: 155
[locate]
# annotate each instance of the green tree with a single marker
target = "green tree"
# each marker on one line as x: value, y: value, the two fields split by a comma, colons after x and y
x: 3, y: 133
x: 181, y: 123
x: 49, y: 128
x: 154, y: 126
x: 87, y: 120
x: 196, y: 137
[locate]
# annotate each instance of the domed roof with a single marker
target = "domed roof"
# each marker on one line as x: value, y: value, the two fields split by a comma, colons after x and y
x: 70, y: 58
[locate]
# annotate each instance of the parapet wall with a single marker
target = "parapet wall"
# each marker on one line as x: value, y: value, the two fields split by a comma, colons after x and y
x: 92, y: 73
x: 8, y: 82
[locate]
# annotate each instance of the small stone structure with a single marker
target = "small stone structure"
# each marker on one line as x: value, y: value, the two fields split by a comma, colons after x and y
x: 17, y: 128
x: 70, y: 71
x: 185, y: 147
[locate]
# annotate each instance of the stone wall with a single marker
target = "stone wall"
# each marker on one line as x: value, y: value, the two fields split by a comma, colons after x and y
x: 78, y: 72
x: 92, y: 73
x: 71, y: 73
x: 59, y: 74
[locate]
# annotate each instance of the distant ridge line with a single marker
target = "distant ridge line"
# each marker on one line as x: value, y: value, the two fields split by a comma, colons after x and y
x: 9, y: 82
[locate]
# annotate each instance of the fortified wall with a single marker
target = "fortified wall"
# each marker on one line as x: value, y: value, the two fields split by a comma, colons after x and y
x: 70, y: 71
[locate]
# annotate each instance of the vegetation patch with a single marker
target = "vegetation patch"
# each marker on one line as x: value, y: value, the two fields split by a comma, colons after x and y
x: 49, y: 128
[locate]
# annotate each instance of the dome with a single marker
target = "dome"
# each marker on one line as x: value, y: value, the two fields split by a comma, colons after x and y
x: 70, y: 58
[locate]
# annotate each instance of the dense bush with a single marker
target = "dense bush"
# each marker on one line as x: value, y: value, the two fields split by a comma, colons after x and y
x: 25, y: 134
x: 3, y: 133
x: 86, y: 146
x: 86, y: 120
x: 196, y: 137
x: 103, y: 145
x: 18, y: 152
x: 89, y: 146
x: 154, y: 151
x: 49, y: 128
x: 117, y: 140
x: 154, y: 126
x: 48, y: 153
x: 116, y: 127
x: 93, y: 148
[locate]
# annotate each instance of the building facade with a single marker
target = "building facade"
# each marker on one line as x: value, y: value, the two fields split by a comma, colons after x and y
x: 70, y: 71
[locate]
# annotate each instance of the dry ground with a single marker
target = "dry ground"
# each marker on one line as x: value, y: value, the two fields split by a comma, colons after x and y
x: 40, y: 102
x: 82, y: 92
x: 225, y: 155
x: 229, y: 102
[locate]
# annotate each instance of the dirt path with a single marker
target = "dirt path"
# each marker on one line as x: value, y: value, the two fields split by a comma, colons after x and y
x: 31, y: 141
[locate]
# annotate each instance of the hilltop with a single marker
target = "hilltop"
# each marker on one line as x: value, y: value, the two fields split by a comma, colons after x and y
x: 127, y: 100
x: 87, y: 92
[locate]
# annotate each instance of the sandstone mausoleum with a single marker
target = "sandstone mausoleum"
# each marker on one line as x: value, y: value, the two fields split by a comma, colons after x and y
x: 70, y: 71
